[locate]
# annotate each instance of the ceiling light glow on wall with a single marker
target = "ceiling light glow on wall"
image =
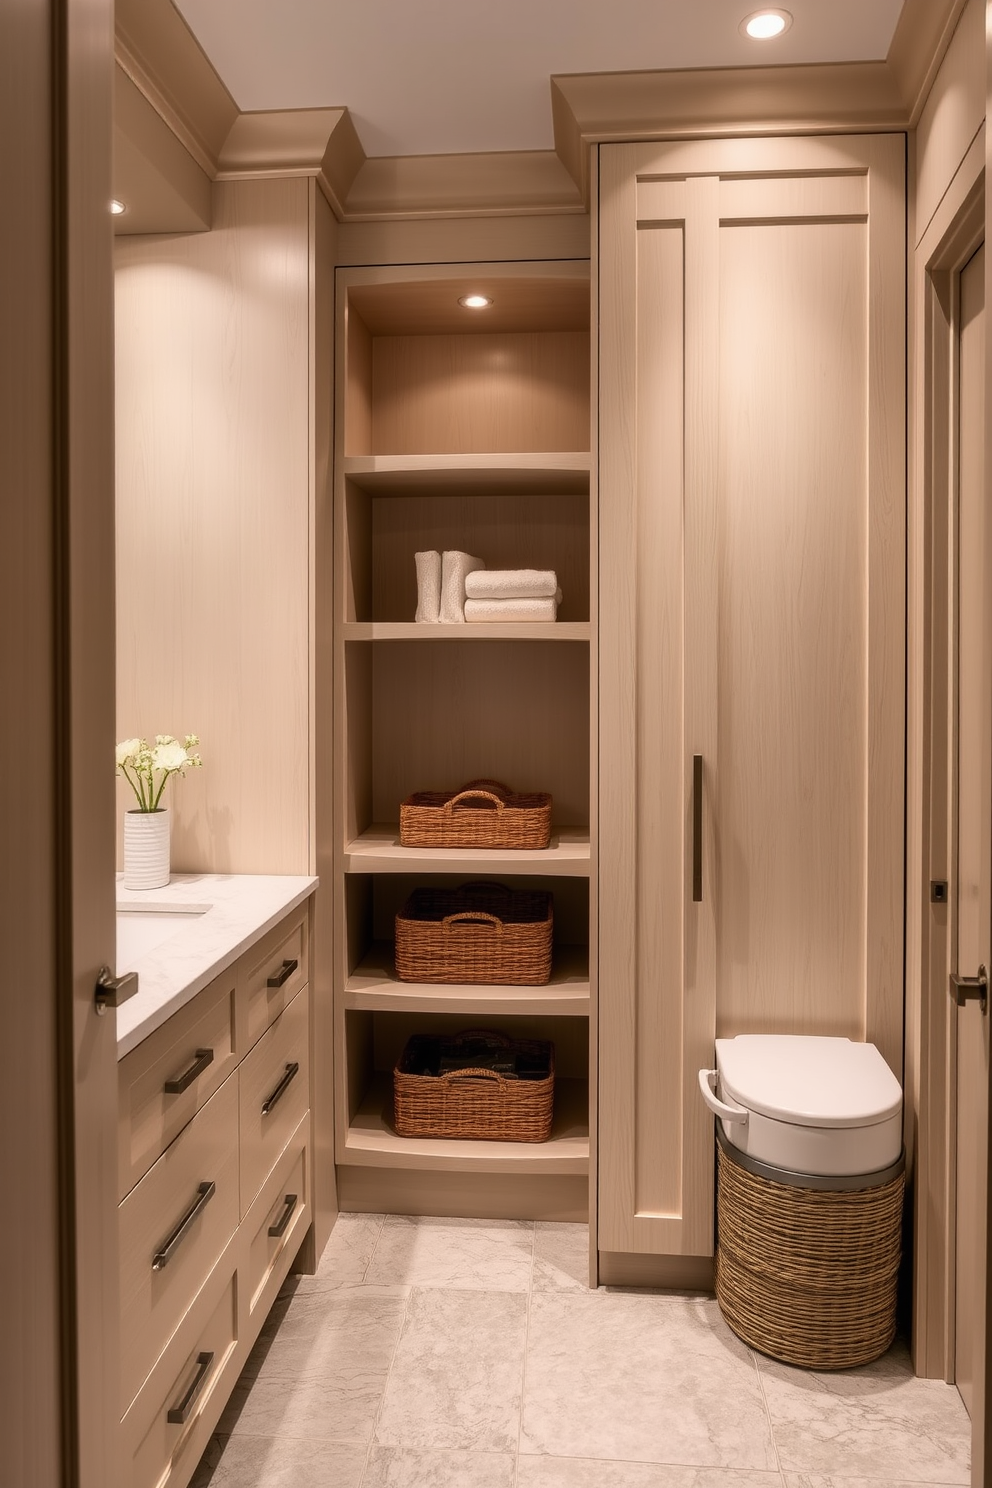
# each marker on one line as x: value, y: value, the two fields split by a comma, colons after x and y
x: 475, y: 301
x: 763, y: 25
x: 118, y: 208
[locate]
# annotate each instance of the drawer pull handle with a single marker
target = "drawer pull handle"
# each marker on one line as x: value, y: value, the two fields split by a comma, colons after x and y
x: 183, y: 1081
x: 278, y: 1229
x: 282, y: 977
x: 292, y: 1070
x: 179, y: 1414
x: 162, y: 1257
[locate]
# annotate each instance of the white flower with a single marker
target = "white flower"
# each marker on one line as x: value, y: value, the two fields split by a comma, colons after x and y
x: 126, y: 751
x: 169, y: 755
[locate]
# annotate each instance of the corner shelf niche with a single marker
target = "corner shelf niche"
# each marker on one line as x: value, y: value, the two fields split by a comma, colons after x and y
x: 469, y: 433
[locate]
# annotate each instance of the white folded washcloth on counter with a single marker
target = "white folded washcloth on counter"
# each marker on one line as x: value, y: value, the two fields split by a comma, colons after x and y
x: 455, y: 569
x: 494, y: 611
x: 512, y: 583
x: 428, y: 587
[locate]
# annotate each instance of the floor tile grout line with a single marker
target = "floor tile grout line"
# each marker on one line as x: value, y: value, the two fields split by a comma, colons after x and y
x: 523, y: 1355
x: 768, y: 1414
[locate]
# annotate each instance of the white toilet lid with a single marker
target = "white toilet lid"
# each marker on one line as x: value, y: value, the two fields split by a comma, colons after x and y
x: 808, y: 1080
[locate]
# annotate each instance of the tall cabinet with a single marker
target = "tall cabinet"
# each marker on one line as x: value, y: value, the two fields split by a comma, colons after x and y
x: 751, y: 634
x: 459, y: 429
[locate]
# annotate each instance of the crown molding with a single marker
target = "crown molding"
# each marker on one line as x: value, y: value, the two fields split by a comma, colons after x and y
x: 160, y: 55
x: 519, y: 183
x: 164, y: 60
x: 308, y: 142
x: 921, y: 39
x: 163, y: 187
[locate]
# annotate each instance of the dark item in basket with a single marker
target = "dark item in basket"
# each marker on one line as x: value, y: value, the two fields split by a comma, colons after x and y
x: 479, y: 932
x: 484, y: 813
x: 475, y: 1103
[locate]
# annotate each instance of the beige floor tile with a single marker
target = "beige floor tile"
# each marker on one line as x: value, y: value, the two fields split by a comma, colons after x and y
x: 879, y: 1422
x: 269, y: 1462
x: 641, y: 1378
x: 323, y: 1373
x: 392, y: 1467
x: 488, y: 1255
x: 573, y: 1472
x: 561, y: 1257
x: 455, y: 1378
x: 325, y: 1333
x: 347, y: 1254
x: 829, y: 1480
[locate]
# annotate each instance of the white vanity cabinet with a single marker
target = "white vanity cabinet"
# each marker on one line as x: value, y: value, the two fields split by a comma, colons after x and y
x: 215, y: 1187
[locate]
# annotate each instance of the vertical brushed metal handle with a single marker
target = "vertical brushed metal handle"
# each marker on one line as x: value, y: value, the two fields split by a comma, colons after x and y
x: 278, y: 1229
x: 178, y: 1083
x: 697, y: 828
x: 178, y: 1414
x: 162, y: 1257
x: 283, y: 975
x: 292, y: 1070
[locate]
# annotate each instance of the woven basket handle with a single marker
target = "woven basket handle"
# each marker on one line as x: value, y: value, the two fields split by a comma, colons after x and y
x: 475, y: 793
x: 473, y: 1074
x: 464, y: 915
x: 486, y: 782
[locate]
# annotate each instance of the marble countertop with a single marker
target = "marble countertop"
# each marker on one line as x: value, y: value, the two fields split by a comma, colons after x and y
x: 239, y: 909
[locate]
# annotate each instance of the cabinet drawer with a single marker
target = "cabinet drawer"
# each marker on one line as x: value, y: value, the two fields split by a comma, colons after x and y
x: 167, y: 1428
x: 276, y: 1223
x: 164, y: 1081
x: 173, y: 1227
x: 275, y: 1096
x: 271, y: 974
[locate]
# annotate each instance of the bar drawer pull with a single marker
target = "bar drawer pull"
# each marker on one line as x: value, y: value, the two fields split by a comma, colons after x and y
x: 184, y: 1080
x: 292, y: 1070
x: 282, y: 977
x: 162, y: 1257
x: 278, y: 1229
x: 179, y: 1414
x: 697, y: 828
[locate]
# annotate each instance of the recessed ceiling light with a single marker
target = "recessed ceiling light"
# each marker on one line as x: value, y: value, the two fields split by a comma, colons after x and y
x: 762, y: 25
x: 118, y: 207
x: 475, y: 301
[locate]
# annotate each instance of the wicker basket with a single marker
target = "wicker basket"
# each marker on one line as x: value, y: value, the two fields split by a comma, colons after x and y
x: 475, y: 1104
x: 480, y: 932
x: 483, y: 813
x: 808, y: 1275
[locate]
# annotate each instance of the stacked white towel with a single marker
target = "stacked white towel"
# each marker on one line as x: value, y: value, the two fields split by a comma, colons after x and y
x: 455, y: 570
x: 512, y: 583
x: 512, y: 594
x: 496, y: 611
x: 428, y: 587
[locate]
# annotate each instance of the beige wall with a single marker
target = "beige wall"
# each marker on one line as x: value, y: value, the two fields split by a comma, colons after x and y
x: 213, y: 520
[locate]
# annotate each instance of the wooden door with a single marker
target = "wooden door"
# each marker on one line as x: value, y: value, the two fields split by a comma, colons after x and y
x: 752, y: 617
x: 58, y: 1241
x: 971, y: 883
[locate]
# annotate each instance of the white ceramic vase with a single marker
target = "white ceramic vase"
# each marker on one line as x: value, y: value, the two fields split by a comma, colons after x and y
x: 146, y: 849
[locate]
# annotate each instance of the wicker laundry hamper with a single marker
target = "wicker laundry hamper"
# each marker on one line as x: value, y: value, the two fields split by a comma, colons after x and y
x: 806, y: 1267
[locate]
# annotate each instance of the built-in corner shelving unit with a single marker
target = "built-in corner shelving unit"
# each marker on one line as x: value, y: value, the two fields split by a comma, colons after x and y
x: 459, y: 429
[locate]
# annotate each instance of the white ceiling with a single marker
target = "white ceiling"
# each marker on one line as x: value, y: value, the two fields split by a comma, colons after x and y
x: 426, y: 77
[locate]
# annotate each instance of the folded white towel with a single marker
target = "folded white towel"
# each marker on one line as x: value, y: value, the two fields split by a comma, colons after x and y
x: 455, y: 569
x: 428, y: 587
x: 491, y: 611
x: 512, y: 583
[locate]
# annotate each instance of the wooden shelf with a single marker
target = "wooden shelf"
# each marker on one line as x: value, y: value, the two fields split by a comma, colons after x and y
x: 408, y: 630
x: 553, y: 473
x: 375, y: 986
x: 371, y: 1142
x: 378, y: 850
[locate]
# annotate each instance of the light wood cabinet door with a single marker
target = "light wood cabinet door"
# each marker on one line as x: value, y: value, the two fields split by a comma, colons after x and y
x: 752, y: 496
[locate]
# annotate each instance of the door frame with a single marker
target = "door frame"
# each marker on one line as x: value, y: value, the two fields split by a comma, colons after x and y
x: 953, y: 236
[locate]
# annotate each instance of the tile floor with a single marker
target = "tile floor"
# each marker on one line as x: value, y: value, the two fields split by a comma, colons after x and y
x: 447, y: 1353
